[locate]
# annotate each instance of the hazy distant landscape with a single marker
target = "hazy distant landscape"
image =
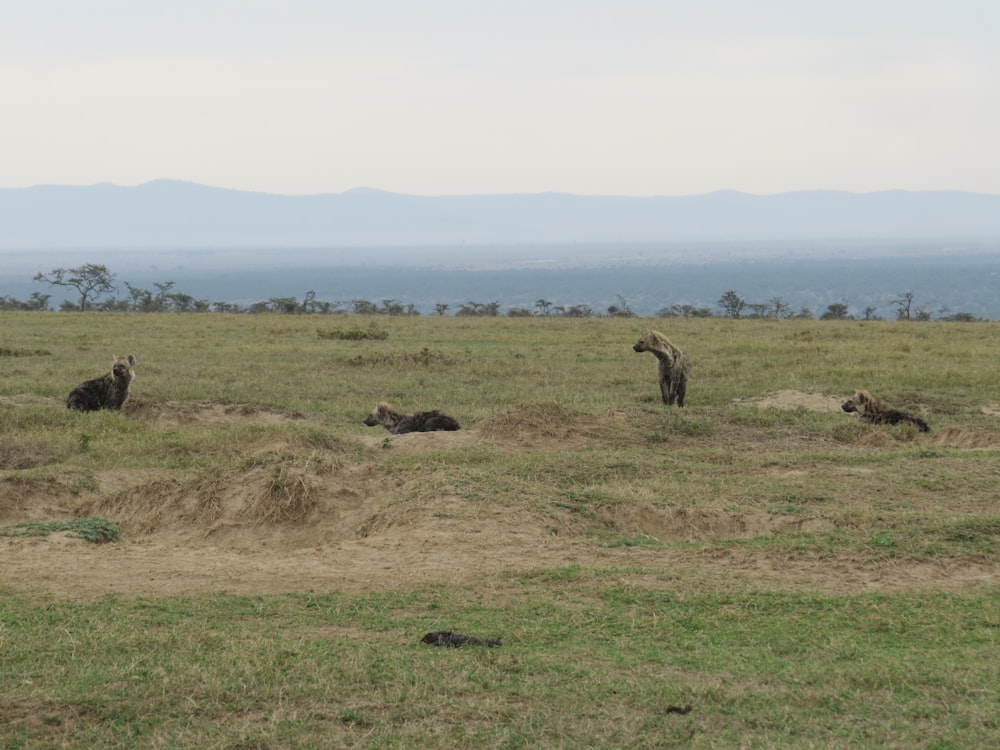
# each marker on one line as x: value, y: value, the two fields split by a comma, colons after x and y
x: 809, y: 249
x: 956, y: 283
x: 172, y: 214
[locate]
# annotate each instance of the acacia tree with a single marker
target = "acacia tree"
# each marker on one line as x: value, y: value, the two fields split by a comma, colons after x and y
x: 732, y: 305
x: 621, y: 310
x: 481, y: 309
x: 903, y: 303
x: 89, y: 280
x: 836, y: 311
x: 778, y: 308
x: 544, y: 307
x: 683, y: 311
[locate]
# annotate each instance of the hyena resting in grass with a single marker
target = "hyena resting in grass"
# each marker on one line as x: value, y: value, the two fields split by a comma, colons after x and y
x: 106, y: 392
x: 399, y: 424
x: 673, y: 366
x: 872, y: 410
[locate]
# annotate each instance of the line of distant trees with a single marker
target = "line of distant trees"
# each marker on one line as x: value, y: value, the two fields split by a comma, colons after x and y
x: 96, y: 290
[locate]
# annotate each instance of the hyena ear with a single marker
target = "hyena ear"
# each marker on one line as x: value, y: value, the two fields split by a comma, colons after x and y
x: 131, y: 360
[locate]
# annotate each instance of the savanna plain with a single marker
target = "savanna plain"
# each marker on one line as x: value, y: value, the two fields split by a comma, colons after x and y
x: 235, y: 561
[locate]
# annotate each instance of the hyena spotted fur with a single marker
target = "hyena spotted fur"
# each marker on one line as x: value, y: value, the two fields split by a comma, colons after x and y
x: 399, y: 424
x: 673, y: 366
x: 106, y: 392
x: 871, y: 409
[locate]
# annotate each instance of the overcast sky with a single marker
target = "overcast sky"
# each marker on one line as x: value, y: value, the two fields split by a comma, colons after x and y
x: 449, y: 97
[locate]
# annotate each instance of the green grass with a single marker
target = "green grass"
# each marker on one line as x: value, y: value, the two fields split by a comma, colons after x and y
x: 586, y: 661
x: 595, y: 654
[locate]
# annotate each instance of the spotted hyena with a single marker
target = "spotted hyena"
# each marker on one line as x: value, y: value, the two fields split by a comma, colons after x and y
x: 398, y: 424
x: 873, y: 410
x: 106, y: 392
x: 673, y: 366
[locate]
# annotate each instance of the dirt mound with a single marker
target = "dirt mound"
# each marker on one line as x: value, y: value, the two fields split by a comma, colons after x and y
x: 798, y: 400
x: 419, y: 442
x: 301, y: 510
x: 524, y: 425
x: 288, y: 502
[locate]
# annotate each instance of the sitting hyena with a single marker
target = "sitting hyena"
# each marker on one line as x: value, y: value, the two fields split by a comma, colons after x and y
x: 872, y: 410
x: 399, y: 424
x: 106, y: 392
x: 673, y: 366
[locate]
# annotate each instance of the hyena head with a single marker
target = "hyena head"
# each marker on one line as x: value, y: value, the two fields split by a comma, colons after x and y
x: 378, y: 415
x: 656, y: 342
x: 121, y: 368
x: 862, y: 401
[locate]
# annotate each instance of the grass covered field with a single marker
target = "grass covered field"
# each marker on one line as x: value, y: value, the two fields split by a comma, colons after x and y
x: 235, y: 561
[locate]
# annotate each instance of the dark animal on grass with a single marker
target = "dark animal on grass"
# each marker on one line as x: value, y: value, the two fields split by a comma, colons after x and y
x: 673, y: 366
x: 106, y: 392
x: 399, y: 424
x: 872, y: 410
x: 456, y: 640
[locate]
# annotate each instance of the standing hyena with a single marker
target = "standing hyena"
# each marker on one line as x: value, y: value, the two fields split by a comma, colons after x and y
x: 106, y: 392
x: 673, y: 366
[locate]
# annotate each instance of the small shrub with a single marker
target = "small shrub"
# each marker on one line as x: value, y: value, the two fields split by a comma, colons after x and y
x: 6, y: 351
x: 373, y: 333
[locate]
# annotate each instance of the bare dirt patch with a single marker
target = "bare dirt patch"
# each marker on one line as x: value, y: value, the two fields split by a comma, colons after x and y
x: 790, y: 399
x: 380, y: 440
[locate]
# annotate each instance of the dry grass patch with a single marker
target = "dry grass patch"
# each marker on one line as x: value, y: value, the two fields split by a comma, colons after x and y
x: 554, y: 422
x: 306, y: 501
x: 15, y: 456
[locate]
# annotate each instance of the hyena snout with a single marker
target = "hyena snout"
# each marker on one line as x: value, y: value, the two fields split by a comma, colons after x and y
x: 370, y: 420
x: 853, y: 404
x: 639, y: 347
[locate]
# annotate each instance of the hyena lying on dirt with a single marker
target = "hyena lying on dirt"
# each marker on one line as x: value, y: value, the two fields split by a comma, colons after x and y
x: 106, y: 392
x: 398, y: 424
x: 872, y: 410
x: 673, y: 366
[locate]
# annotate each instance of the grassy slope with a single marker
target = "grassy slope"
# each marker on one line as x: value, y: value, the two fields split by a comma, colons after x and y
x: 592, y: 656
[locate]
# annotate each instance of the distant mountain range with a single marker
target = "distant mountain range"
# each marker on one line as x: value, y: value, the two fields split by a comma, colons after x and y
x: 174, y: 214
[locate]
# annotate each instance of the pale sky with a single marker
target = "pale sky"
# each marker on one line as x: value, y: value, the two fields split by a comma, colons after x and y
x: 452, y: 97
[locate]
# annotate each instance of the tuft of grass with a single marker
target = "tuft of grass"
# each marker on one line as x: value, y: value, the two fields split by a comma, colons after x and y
x: 7, y: 351
x: 372, y: 333
x: 96, y: 530
x: 15, y: 456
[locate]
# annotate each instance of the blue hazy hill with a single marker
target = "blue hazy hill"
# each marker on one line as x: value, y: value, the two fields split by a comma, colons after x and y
x: 166, y: 213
